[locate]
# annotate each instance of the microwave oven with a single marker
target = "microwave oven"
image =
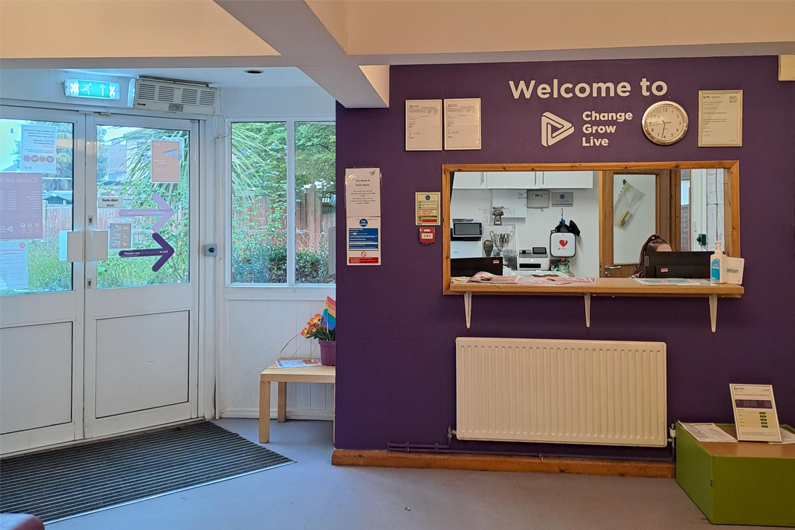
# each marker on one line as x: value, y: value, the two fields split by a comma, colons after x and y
x: 466, y: 230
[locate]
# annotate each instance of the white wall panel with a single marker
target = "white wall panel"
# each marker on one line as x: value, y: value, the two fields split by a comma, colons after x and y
x: 35, y: 376
x: 142, y: 362
x: 254, y: 335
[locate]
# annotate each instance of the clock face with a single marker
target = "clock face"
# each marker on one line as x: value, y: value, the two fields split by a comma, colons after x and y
x: 665, y: 123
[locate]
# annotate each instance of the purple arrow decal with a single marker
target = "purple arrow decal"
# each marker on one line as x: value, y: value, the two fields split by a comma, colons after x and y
x: 164, y: 212
x: 165, y: 252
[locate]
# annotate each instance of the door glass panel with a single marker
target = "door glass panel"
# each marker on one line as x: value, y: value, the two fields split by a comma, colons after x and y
x: 315, y: 196
x: 143, y: 200
x: 36, y: 161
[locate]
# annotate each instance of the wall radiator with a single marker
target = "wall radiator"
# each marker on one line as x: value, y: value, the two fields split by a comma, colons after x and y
x: 583, y: 392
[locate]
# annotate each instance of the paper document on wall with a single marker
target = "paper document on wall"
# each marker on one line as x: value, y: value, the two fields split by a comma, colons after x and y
x: 165, y: 161
x: 720, y: 118
x: 13, y: 265
x: 363, y: 192
x: 708, y: 432
x: 21, y: 215
x: 427, y: 207
x: 37, y: 149
x: 423, y: 125
x: 119, y: 236
x: 462, y: 124
x: 364, y: 240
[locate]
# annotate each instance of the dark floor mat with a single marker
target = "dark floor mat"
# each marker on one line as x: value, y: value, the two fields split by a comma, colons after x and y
x: 56, y: 484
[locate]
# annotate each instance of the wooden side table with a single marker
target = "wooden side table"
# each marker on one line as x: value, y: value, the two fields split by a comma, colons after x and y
x: 306, y: 374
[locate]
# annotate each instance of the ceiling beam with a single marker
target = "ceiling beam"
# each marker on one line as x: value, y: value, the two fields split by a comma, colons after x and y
x: 293, y: 29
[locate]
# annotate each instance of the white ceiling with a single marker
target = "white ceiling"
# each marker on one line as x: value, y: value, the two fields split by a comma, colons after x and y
x: 224, y: 77
x: 329, y: 40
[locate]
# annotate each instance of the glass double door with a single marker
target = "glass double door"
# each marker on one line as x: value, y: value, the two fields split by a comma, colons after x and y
x: 98, y: 275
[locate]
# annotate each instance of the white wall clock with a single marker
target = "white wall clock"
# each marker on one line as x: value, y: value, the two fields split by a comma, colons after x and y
x: 665, y: 123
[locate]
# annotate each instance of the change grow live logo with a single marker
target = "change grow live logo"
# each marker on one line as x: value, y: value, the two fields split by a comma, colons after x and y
x: 597, y: 126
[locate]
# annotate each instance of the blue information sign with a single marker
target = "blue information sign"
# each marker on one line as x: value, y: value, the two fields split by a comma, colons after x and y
x: 363, y: 239
x: 86, y: 88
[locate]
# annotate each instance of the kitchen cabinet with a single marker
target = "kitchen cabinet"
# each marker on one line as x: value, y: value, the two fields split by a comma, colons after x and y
x: 512, y: 180
x: 538, y: 180
x: 469, y: 180
x: 565, y: 180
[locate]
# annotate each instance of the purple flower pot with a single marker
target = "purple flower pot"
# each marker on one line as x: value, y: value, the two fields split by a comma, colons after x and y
x: 328, y: 352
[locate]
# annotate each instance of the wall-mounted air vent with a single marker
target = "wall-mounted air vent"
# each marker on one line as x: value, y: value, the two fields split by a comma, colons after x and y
x: 174, y: 96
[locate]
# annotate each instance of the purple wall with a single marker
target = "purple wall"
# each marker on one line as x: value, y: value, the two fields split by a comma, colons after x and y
x: 397, y: 331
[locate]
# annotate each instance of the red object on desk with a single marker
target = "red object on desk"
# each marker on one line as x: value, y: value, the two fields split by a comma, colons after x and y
x: 427, y: 235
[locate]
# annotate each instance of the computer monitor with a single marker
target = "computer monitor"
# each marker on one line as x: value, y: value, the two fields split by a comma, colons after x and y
x: 677, y: 264
x: 470, y: 266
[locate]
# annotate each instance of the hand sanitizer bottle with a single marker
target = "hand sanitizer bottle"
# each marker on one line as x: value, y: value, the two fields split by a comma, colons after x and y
x: 717, y: 265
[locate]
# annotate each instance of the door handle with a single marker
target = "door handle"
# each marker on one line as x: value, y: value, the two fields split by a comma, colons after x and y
x: 96, y: 245
x: 71, y: 246
x: 609, y: 268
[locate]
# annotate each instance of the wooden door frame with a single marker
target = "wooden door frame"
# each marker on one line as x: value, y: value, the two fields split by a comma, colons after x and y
x: 667, y: 212
x: 731, y: 186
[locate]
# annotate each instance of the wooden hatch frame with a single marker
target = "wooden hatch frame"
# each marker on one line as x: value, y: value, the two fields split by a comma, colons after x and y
x: 602, y: 286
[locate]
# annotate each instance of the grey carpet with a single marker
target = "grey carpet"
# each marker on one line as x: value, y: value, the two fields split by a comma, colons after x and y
x: 64, y: 482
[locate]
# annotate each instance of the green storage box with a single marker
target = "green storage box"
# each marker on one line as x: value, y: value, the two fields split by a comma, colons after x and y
x: 743, y: 483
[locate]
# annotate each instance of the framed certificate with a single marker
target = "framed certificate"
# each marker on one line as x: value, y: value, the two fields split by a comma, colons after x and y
x: 461, y: 124
x: 720, y: 118
x: 423, y: 125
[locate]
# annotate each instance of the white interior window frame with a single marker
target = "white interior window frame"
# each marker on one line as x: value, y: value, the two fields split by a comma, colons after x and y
x: 309, y: 290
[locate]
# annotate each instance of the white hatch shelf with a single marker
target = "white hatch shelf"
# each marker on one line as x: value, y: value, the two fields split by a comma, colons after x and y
x: 602, y: 287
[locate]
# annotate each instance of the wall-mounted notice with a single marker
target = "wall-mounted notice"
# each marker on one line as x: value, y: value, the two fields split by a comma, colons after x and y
x: 364, y: 241
x: 119, y: 236
x: 720, y: 118
x: 363, y: 192
x: 426, y: 207
x: 462, y: 124
x: 755, y: 415
x: 165, y: 161
x: 13, y: 265
x: 20, y: 206
x: 423, y: 125
x: 37, y: 149
x: 108, y: 202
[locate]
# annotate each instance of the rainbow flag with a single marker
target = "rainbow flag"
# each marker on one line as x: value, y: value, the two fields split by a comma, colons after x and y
x: 329, y: 318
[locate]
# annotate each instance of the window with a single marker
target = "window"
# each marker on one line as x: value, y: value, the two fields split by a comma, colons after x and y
x: 30, y: 229
x: 283, y: 202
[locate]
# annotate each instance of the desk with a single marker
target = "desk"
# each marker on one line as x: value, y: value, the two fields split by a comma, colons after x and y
x: 306, y: 374
x: 741, y: 483
x: 600, y: 287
